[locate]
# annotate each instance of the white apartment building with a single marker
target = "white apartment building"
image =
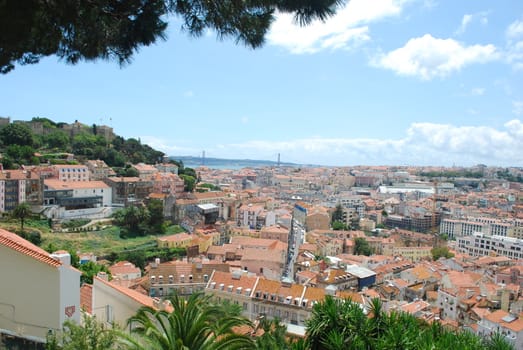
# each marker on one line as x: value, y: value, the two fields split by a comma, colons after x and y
x: 480, y: 244
x: 495, y: 227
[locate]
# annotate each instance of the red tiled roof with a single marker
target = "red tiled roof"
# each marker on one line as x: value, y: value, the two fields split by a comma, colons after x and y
x: 86, y: 298
x: 17, y: 243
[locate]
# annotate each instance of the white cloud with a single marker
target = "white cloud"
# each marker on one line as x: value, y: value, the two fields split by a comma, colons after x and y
x: 188, y: 94
x: 477, y: 91
x: 517, y: 107
x: 467, y: 19
x: 346, y: 29
x: 464, y: 23
x: 424, y: 144
x: 427, y: 57
x: 244, y: 120
x: 515, y: 30
x: 167, y: 147
x: 514, y: 54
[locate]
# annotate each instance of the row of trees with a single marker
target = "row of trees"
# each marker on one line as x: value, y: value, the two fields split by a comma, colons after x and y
x: 197, y: 323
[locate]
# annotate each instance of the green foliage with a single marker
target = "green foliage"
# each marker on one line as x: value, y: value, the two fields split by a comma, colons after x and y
x: 339, y: 225
x: 156, y: 217
x: 439, y: 252
x: 58, y: 139
x: 22, y: 211
x: 507, y: 175
x: 210, y: 186
x: 91, y: 335
x: 362, y: 247
x: 46, y: 122
x: 337, y: 215
x: 16, y: 134
x: 74, y: 223
x: 274, y: 335
x: 342, y: 324
x: 89, y: 270
x: 127, y: 171
x: 189, y: 182
x: 20, y: 145
x: 32, y: 236
x: 133, y: 220
x: 76, y: 30
x: 21, y: 154
x: 195, y: 323
x: 141, y: 220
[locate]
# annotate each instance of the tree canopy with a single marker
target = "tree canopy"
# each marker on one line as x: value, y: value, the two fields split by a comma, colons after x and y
x: 114, y: 30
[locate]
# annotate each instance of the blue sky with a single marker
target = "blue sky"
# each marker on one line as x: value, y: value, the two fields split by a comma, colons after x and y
x: 384, y: 82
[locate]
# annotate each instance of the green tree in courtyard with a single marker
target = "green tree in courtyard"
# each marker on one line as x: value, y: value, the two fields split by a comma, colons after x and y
x: 439, y: 252
x: 362, y: 247
x: 189, y: 182
x: 156, y: 217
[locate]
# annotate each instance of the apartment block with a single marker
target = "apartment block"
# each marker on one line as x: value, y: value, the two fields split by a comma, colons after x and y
x: 480, y: 244
x: 19, y: 186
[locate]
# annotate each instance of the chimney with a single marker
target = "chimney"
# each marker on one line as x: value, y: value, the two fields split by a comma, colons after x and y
x: 103, y: 275
x: 63, y: 256
x: 8, y: 175
x: 28, y: 174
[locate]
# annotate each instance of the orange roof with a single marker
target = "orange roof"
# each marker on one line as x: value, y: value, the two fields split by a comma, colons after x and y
x: 71, y: 185
x: 123, y: 267
x: 86, y: 297
x: 17, y: 243
x: 226, y: 278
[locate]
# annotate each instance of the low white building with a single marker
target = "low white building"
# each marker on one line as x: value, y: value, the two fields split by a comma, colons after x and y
x: 79, y: 199
x: 39, y: 291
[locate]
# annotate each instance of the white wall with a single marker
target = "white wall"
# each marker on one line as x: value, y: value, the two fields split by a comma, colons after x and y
x: 108, y: 300
x: 31, y: 292
x: 106, y: 193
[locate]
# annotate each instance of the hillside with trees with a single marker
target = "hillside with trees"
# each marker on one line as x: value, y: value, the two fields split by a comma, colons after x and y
x: 42, y: 140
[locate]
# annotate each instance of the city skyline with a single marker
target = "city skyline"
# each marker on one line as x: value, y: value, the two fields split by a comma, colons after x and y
x: 396, y: 83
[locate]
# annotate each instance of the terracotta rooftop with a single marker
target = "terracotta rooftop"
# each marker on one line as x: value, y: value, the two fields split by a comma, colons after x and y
x: 226, y: 278
x: 123, y: 267
x: 18, y: 175
x: 17, y: 243
x: 86, y: 298
x: 54, y: 184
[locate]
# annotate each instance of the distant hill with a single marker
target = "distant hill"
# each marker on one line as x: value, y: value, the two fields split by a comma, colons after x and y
x: 223, y: 163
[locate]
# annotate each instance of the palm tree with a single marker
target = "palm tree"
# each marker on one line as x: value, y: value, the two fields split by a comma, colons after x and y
x: 274, y: 335
x: 22, y: 211
x: 193, y: 324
